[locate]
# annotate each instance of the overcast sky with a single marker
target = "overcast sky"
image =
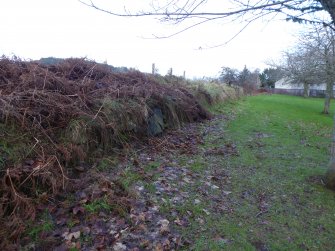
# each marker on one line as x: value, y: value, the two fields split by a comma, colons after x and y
x: 66, y: 28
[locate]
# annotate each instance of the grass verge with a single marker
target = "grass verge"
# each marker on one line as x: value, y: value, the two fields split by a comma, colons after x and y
x: 276, y: 198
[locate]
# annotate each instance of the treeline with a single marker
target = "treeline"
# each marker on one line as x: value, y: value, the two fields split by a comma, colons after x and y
x: 250, y: 81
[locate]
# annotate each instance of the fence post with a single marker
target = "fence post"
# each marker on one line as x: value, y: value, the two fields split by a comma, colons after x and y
x: 153, y: 70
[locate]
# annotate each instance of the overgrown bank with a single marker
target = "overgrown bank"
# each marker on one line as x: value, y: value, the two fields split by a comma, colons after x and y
x: 57, y: 120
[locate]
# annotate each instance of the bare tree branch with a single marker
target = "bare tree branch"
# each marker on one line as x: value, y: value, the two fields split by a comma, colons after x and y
x: 177, y: 11
x: 184, y: 13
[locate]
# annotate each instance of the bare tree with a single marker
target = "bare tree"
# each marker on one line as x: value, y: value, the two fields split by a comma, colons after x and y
x: 313, y: 61
x: 301, y: 68
x: 320, y: 41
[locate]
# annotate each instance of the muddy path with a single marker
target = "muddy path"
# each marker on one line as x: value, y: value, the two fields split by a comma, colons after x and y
x: 157, y: 196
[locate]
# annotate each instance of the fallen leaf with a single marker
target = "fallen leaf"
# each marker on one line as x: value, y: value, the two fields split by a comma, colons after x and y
x: 166, y: 245
x: 178, y: 222
x: 187, y: 180
x: 164, y: 226
x: 78, y: 209
x: 200, y: 220
x: 206, y: 211
x: 68, y: 236
x: 196, y: 201
x: 158, y: 247
x: 144, y: 243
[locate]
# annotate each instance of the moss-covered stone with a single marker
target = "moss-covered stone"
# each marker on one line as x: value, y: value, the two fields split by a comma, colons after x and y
x: 155, y: 122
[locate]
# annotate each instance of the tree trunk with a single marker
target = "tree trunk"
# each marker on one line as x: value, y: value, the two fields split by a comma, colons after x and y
x: 329, y: 6
x: 327, y: 103
x: 306, y: 90
x: 329, y: 95
x: 330, y: 175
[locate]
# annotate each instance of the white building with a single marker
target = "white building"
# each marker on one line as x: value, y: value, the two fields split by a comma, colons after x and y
x: 286, y: 86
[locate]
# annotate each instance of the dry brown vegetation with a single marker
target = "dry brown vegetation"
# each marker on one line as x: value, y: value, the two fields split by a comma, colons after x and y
x: 53, y: 117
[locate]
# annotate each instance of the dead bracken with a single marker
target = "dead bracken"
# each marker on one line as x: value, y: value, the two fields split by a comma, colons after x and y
x: 55, y: 118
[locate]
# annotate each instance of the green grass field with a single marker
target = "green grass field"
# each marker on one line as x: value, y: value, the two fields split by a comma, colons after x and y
x: 278, y: 200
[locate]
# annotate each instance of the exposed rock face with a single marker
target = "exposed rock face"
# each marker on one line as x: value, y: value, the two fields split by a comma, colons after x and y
x: 155, y: 122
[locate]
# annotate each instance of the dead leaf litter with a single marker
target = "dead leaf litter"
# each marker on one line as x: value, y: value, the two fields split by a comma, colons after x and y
x: 166, y: 196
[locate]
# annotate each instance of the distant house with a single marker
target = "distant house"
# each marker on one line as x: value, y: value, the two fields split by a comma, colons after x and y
x: 286, y: 86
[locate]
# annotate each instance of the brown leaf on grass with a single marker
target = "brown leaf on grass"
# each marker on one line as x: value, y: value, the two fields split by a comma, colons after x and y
x: 164, y: 227
x: 158, y: 247
x: 180, y: 222
x: 262, y: 204
x: 166, y: 244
